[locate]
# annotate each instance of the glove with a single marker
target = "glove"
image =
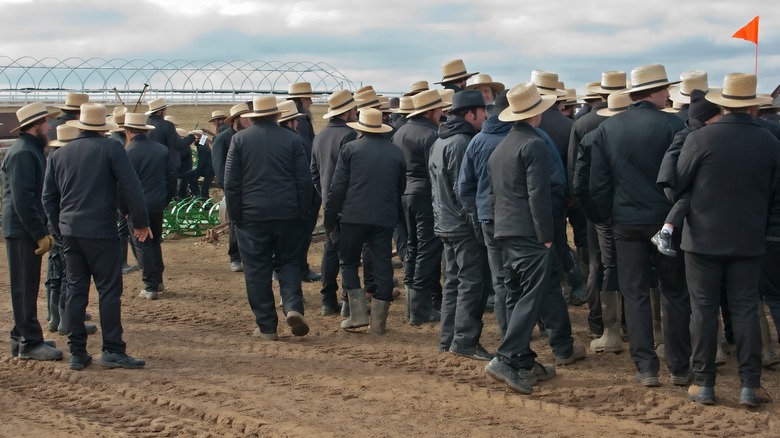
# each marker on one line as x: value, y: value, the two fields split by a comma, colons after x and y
x: 45, y: 244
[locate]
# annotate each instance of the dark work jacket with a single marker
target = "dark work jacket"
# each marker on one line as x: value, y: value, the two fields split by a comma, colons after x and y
x: 205, y: 168
x: 119, y: 136
x: 82, y: 185
x: 185, y: 148
x: 219, y: 151
x: 401, y: 121
x: 581, y: 180
x: 519, y: 171
x: 164, y: 132
x: 450, y: 218
x: 558, y: 127
x: 152, y: 164
x: 23, y: 171
x: 267, y: 175
x: 772, y: 127
x: 367, y: 185
x: 667, y: 174
x: 586, y: 108
x: 325, y: 153
x: 60, y: 120
x: 683, y: 113
x: 626, y: 154
x: 306, y: 130
x: 223, y: 127
x: 583, y: 125
x: 730, y: 169
x: 415, y: 139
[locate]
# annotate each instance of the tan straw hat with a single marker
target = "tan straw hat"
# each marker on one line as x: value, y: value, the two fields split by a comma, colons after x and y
x: 446, y: 96
x: 339, y: 102
x: 650, y: 76
x: 93, y: 118
x: 218, y: 114
x: 611, y: 81
x: 299, y: 90
x: 739, y: 91
x: 483, y: 79
x: 571, y: 97
x: 32, y: 113
x: 366, y: 98
x: 65, y: 134
x: 561, y: 86
x: 136, y: 121
x: 236, y: 111
x: 370, y: 120
x: 264, y: 106
x: 172, y: 119
x: 616, y: 103
x: 289, y: 111
x: 453, y: 71
x: 118, y: 116
x: 691, y: 80
x: 405, y: 106
x: 73, y: 101
x: 546, y: 83
x: 384, y: 104
x: 425, y: 101
x: 525, y: 101
x: 156, y: 105
x: 417, y: 87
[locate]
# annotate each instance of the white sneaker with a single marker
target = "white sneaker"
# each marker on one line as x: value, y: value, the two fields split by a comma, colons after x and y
x: 236, y: 266
x: 149, y: 295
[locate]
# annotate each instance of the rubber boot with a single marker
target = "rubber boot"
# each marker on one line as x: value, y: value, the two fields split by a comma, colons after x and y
x: 407, y: 296
x: 577, y: 296
x: 611, y: 340
x: 421, y: 307
x: 768, y: 356
x: 54, y: 321
x: 379, y: 311
x: 345, y: 308
x: 358, y: 309
x: 720, y: 356
x: 655, y: 304
x: 63, y: 327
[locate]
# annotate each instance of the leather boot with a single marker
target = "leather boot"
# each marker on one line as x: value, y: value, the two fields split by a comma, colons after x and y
x: 768, y: 356
x: 655, y: 304
x: 720, y: 356
x: 407, y: 296
x: 358, y: 309
x: 345, y: 308
x: 379, y: 310
x: 611, y: 340
x: 421, y: 307
x: 54, y: 321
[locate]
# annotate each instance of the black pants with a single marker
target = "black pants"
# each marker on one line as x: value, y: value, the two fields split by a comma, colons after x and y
x: 24, y: 268
x: 309, y: 224
x: 149, y: 252
x: 265, y: 247
x: 769, y: 286
x: 55, y: 276
x: 401, y: 238
x: 637, y: 257
x: 101, y: 261
x: 379, y: 241
x: 329, y: 268
x: 579, y: 226
x: 595, y: 279
x: 463, y: 296
x: 423, y: 262
x: 496, y: 262
x: 233, y: 253
x: 188, y: 185
x: 204, y: 188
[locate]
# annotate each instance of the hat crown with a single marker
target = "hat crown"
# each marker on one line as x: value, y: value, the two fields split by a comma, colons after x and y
x: 339, y: 99
x: 370, y: 118
x: 447, y: 95
x: 467, y: 99
x: 647, y: 75
x: 365, y: 88
x: 76, y: 99
x: 406, y: 104
x: 693, y: 80
x: 218, y: 114
x: 452, y: 69
x: 613, y: 80
x: 135, y: 120
x: 618, y: 101
x: 299, y: 88
x: 119, y: 114
x: 544, y: 80
x: 31, y: 112
x: 367, y: 97
x: 264, y: 104
x: 66, y: 133
x: 239, y: 109
x: 93, y: 114
x: 571, y: 95
x: 481, y: 78
x: 523, y: 97
x: 384, y: 103
x: 419, y: 86
x: 739, y: 86
x: 288, y: 109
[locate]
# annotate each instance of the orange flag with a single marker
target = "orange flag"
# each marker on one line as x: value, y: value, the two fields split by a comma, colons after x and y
x: 749, y: 32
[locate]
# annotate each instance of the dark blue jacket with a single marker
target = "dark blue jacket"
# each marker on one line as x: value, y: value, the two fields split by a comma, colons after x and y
x: 23, y: 170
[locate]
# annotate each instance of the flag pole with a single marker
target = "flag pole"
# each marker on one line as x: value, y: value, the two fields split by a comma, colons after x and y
x: 756, y: 58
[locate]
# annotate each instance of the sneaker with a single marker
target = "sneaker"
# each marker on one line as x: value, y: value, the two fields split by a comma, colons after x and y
x: 297, y: 324
x: 663, y: 241
x: 681, y: 379
x: 521, y: 381
x: 79, y: 361
x: 236, y: 266
x: 148, y: 294
x: 648, y: 379
x: 542, y: 372
x: 42, y: 352
x: 267, y: 336
x: 704, y: 395
x: 577, y: 353
x: 120, y: 360
x: 479, y: 353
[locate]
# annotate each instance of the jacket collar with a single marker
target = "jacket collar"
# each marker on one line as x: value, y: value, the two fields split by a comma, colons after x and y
x: 29, y: 138
x: 337, y: 121
x: 642, y: 104
x: 139, y: 138
x: 419, y: 120
x: 738, y: 118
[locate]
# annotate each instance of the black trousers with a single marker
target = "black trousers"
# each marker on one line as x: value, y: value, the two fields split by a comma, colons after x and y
x: 204, y: 188
x: 401, y: 238
x: 423, y: 262
x: 463, y: 296
x: 769, y: 285
x: 309, y: 223
x: 101, y: 261
x: 329, y: 268
x: 496, y: 263
x: 233, y: 253
x: 740, y: 276
x: 637, y: 257
x: 379, y: 241
x: 55, y: 275
x: 149, y: 252
x: 269, y: 246
x: 188, y: 185
x: 579, y: 225
x: 595, y: 279
x: 24, y: 269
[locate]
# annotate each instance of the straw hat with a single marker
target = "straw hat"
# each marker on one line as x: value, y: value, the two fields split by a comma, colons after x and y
x: 647, y: 77
x: 172, y: 119
x: 156, y: 105
x: 616, y: 104
x: 93, y: 118
x: 691, y: 80
x: 118, y: 115
x: 589, y: 93
x: 73, y: 101
x: 264, y: 106
x: 417, y: 87
x: 525, y: 102
x: 365, y: 88
x: 546, y: 83
x: 405, y: 106
x: 446, y: 96
x: 299, y: 90
x: 370, y: 120
x: 181, y: 132
x: 611, y: 81
x: 366, y: 98
x: 289, y: 111
x: 453, y: 71
x: 339, y: 102
x: 236, y: 111
x: 561, y: 86
x: 65, y: 134
x: 739, y: 91
x: 425, y: 101
x: 571, y: 97
x: 384, y: 104
x: 218, y: 114
x: 137, y: 121
x: 32, y: 113
x: 483, y: 79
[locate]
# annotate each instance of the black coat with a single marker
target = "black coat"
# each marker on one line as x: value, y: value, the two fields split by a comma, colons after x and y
x: 267, y: 175
x: 728, y: 214
x: 60, y: 120
x: 519, y: 170
x: 325, y: 153
x: 205, y: 167
x: 219, y: 151
x: 415, y: 139
x: 83, y: 181
x: 586, y: 123
x: 667, y: 174
x: 152, y: 164
x: 164, y: 132
x: 185, y: 154
x: 368, y: 182
x: 586, y: 108
x: 558, y: 127
x: 23, y: 171
x: 306, y: 130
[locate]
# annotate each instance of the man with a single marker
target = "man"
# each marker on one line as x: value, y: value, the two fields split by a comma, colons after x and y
x: 152, y: 164
x: 70, y: 111
x: 589, y: 99
x: 219, y: 151
x: 489, y: 89
x: 626, y: 154
x: 204, y: 169
x: 519, y: 170
x: 454, y: 75
x: 164, y: 132
x: 118, y: 117
x: 717, y: 252
x: 218, y: 119
x: 324, y: 156
x: 681, y: 94
x: 80, y: 198
x: 24, y: 230
x: 269, y: 209
x: 188, y: 182
x: 362, y: 208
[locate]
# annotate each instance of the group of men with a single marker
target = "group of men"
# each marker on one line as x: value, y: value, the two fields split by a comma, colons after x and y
x: 474, y: 183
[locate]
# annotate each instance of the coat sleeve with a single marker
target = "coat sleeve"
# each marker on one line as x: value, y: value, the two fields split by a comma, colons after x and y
x: 20, y: 170
x: 687, y: 163
x: 467, y: 182
x: 218, y: 155
x: 303, y: 185
x: 573, y: 152
x: 314, y: 168
x: 581, y: 180
x: 170, y: 178
x: 129, y: 186
x: 51, y: 196
x: 667, y: 174
x: 601, y: 184
x: 537, y: 171
x: 338, y: 190
x: 233, y: 180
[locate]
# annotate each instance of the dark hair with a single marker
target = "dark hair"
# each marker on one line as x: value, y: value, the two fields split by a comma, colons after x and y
x: 33, y: 124
x: 463, y: 111
x: 258, y: 120
x: 135, y: 131
x: 744, y: 109
x: 639, y: 95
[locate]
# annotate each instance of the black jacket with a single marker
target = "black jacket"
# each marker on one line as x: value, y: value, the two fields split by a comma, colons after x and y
x: 267, y: 176
x: 23, y: 171
x: 519, y: 171
x: 586, y: 108
x: 205, y: 167
x: 415, y: 139
x: 558, y: 127
x: 185, y: 154
x: 368, y: 182
x: 306, y: 130
x: 586, y: 123
x: 164, y: 132
x: 60, y: 120
x: 667, y: 174
x: 325, y: 153
x: 82, y: 184
x: 625, y: 158
x: 152, y: 164
x: 219, y: 151
x: 728, y: 214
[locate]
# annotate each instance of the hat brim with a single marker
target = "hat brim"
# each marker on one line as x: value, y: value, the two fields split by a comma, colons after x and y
x: 671, y: 110
x: 290, y: 117
x: 496, y: 86
x: 599, y: 90
x: 716, y: 97
x: 401, y: 111
x: 650, y: 86
x: 150, y: 112
x: 252, y: 114
x: 108, y: 126
x: 457, y: 78
x: 299, y: 96
x: 675, y: 94
x: 229, y: 119
x: 557, y: 93
x: 441, y: 105
x: 413, y: 92
x: 68, y: 107
x: 140, y: 127
x: 341, y: 110
x: 46, y: 116
x: 548, y: 100
x: 358, y: 127
x: 606, y: 112
x: 58, y: 143
x: 217, y: 118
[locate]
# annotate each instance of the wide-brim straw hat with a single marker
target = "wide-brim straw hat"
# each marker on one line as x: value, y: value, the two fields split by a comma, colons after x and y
x: 384, y: 104
x: 571, y: 97
x: 446, y: 95
x: 65, y: 134
x: 647, y: 77
x: 93, y: 118
x: 218, y: 114
x: 525, y: 102
x: 32, y: 113
x: 264, y: 106
x: 739, y: 91
x: 370, y: 120
x: 118, y: 117
x: 73, y: 101
x: 236, y: 111
x: 172, y: 119
x: 454, y: 70
x: 405, y: 105
x: 339, y: 102
x: 299, y: 90
x: 417, y: 87
x: 611, y: 81
x: 547, y: 83
x: 562, y: 87
x: 485, y: 79
x: 691, y: 80
x: 367, y: 98
x: 289, y: 111
x: 136, y: 121
x: 617, y: 102
x: 156, y: 105
x: 426, y: 101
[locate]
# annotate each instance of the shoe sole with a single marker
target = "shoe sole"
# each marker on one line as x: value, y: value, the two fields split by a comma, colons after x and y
x: 472, y: 356
x: 703, y: 400
x: 80, y: 366
x: 650, y: 382
x: 500, y: 378
x: 298, y: 326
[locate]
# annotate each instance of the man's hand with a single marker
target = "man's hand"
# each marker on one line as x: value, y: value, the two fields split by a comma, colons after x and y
x: 142, y: 234
x: 45, y: 244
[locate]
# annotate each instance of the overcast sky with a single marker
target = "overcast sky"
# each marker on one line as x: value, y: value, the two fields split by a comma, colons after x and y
x: 391, y: 44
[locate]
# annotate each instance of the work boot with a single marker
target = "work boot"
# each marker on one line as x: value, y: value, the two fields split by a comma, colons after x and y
x: 297, y: 324
x: 345, y: 308
x: 521, y: 381
x: 236, y: 266
x: 79, y: 361
x: 43, y: 351
x: 577, y: 353
x: 378, y: 318
x: 15, y: 346
x: 611, y: 340
x: 120, y: 360
x: 63, y: 327
x: 768, y: 356
x: 421, y: 307
x: 330, y: 305
x: 358, y: 309
x: 753, y: 397
x: 54, y: 321
x: 577, y: 296
x: 663, y: 241
x: 148, y: 294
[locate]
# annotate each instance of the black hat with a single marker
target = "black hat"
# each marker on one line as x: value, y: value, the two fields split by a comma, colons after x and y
x: 467, y: 99
x: 501, y: 103
x: 701, y: 109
